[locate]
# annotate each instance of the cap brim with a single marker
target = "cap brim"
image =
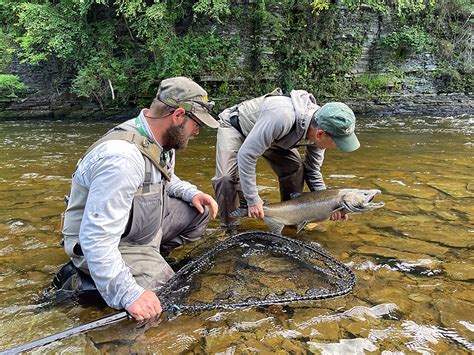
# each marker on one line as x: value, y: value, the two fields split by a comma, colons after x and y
x: 347, y: 143
x: 207, y: 119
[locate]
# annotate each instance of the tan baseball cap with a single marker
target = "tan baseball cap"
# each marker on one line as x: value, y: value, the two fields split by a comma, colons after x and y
x: 185, y: 93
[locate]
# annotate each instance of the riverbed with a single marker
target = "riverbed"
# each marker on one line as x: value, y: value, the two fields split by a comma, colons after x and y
x: 413, y: 258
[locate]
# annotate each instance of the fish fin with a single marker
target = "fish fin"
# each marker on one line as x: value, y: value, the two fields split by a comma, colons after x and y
x: 338, y: 209
x: 294, y: 195
x: 275, y: 226
x: 300, y: 226
x: 239, y: 212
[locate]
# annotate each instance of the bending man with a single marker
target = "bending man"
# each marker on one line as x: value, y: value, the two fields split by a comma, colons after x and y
x: 273, y: 126
x: 126, y: 203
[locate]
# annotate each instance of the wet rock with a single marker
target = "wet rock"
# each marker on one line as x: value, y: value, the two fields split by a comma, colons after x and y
x: 451, y: 188
x: 217, y: 344
x: 392, y: 295
x: 359, y: 329
x: 401, y: 188
x: 452, y: 311
x: 271, y: 265
x: 327, y: 331
x: 344, y: 346
x: 464, y: 295
x: 126, y: 331
x: 463, y: 271
x: 419, y: 297
x: 291, y: 346
x: 390, y: 253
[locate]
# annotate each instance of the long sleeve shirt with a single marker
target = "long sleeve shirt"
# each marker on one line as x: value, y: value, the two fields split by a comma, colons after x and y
x: 113, y: 172
x: 276, y: 120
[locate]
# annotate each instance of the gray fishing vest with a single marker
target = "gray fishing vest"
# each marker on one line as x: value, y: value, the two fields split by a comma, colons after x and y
x: 248, y: 112
x: 148, y: 206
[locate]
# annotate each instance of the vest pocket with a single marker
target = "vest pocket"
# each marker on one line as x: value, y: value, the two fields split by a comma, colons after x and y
x: 146, y: 218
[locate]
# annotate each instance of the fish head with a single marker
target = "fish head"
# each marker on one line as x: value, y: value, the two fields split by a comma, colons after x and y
x: 355, y: 200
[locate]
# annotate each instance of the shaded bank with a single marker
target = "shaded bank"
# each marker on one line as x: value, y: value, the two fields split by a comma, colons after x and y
x: 94, y: 60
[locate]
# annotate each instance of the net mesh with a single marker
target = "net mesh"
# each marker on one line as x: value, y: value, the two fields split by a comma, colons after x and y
x: 256, y: 269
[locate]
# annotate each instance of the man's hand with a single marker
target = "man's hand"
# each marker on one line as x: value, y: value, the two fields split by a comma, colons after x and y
x: 256, y: 211
x: 339, y: 216
x: 201, y: 199
x: 145, y: 307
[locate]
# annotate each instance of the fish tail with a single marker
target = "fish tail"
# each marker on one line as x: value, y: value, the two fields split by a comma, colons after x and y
x: 239, y: 212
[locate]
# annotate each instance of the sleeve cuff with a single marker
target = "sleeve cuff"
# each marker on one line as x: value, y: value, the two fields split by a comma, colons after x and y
x: 132, y: 296
x: 252, y: 201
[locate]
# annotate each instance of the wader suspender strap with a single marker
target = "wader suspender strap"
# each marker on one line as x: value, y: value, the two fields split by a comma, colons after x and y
x: 147, y: 181
x: 234, y: 121
x: 147, y: 148
x: 234, y: 116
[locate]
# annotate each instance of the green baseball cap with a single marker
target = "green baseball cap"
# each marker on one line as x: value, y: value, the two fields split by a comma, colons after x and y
x: 338, y: 120
x: 185, y: 93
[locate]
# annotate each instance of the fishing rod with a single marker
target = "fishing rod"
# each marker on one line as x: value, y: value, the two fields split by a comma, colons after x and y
x: 107, y: 320
x: 114, y: 318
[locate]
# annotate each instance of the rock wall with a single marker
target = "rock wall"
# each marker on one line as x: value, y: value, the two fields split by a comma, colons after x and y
x: 418, y: 93
x: 49, y: 96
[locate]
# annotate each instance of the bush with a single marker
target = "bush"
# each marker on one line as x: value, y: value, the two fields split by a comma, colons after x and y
x: 407, y: 41
x: 11, y: 86
x: 378, y: 84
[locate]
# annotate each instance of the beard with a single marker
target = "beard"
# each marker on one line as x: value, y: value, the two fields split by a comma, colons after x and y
x: 175, y: 138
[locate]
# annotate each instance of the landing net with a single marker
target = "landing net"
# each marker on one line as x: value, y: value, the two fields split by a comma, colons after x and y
x: 256, y: 269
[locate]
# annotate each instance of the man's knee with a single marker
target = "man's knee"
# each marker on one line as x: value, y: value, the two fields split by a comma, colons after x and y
x: 224, y: 181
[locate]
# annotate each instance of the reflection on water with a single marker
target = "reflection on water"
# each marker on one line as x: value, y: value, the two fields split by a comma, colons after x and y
x: 413, y: 258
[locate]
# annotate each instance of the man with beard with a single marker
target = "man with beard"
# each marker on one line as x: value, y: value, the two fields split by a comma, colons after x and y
x: 127, y: 207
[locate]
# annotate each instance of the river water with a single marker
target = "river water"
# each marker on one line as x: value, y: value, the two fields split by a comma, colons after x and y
x: 413, y: 258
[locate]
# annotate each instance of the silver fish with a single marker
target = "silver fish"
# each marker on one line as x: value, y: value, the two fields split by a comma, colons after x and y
x: 315, y: 206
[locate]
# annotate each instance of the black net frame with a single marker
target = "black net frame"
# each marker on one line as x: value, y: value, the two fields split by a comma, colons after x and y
x: 340, y: 276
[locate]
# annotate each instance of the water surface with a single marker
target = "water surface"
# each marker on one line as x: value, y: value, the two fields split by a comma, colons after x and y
x: 413, y: 259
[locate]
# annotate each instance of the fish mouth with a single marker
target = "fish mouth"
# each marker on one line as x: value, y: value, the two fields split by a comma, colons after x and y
x: 367, y: 204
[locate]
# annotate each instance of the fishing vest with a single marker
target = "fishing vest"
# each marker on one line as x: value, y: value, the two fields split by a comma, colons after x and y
x: 243, y: 117
x: 148, y: 205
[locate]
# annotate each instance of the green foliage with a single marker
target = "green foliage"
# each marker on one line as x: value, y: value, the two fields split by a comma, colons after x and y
x: 215, y: 9
x: 377, y: 84
x: 320, y: 5
x: 47, y: 30
x: 11, y: 86
x: 407, y: 41
x: 7, y: 50
x: 399, y: 7
x: 193, y: 55
x: 317, y: 61
x: 453, y: 80
x: 450, y: 23
x: 119, y: 50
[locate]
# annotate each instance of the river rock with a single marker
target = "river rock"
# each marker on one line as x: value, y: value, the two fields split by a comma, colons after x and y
x: 401, y: 188
x: 451, y: 312
x: 393, y: 295
x: 390, y: 253
x: 344, y: 346
x: 463, y: 271
x: 452, y: 188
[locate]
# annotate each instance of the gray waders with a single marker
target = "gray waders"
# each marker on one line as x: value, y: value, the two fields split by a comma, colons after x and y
x: 286, y: 163
x: 157, y: 223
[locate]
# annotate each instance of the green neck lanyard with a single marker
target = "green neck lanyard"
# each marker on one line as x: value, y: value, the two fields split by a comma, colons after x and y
x: 139, y: 126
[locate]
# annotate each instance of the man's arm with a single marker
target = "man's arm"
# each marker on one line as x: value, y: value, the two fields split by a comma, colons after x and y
x: 314, y: 158
x: 274, y: 123
x: 189, y: 192
x: 112, y: 179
